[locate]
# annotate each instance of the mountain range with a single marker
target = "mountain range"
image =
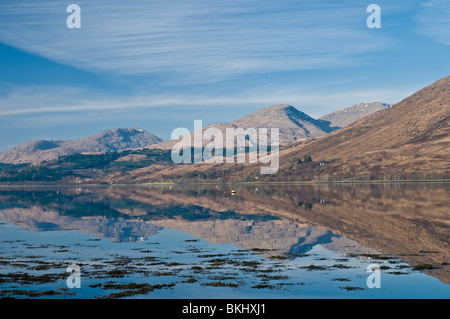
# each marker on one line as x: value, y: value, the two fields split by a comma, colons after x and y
x: 408, y: 140
x: 293, y: 124
x: 366, y: 141
x: 106, y: 141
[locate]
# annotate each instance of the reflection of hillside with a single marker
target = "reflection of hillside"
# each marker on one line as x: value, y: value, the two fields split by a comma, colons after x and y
x: 117, y: 230
x: 276, y: 237
x: 410, y: 222
x: 135, y: 220
x: 268, y: 238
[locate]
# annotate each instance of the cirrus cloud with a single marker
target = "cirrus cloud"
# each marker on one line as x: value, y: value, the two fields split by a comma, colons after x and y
x: 193, y: 40
x: 433, y: 20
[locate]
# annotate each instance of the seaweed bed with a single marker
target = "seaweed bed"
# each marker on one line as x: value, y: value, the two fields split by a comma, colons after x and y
x: 147, y: 271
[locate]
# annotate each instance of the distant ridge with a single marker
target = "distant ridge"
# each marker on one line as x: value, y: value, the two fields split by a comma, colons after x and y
x: 293, y: 124
x: 110, y: 140
x: 348, y: 115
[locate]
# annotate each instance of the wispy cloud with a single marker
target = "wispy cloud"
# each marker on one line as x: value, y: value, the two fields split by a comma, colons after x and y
x: 41, y: 100
x: 195, y: 40
x: 434, y: 20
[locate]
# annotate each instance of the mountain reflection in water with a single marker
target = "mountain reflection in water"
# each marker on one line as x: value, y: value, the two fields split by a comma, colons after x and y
x: 408, y: 221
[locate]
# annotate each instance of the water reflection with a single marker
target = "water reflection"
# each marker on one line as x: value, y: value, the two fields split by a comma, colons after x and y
x: 410, y: 221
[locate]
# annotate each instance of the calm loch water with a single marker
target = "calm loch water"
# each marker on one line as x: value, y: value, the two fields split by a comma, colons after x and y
x: 215, y: 241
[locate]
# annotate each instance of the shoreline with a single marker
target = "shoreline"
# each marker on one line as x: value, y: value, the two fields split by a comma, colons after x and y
x: 229, y: 183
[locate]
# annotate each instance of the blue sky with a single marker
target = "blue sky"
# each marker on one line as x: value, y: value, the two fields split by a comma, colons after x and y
x: 159, y: 64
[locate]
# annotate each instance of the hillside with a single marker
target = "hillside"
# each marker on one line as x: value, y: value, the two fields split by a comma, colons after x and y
x: 106, y: 141
x: 411, y: 137
x: 408, y: 140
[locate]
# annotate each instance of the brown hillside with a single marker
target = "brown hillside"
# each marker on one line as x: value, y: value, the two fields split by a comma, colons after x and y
x: 408, y: 140
x: 410, y: 137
